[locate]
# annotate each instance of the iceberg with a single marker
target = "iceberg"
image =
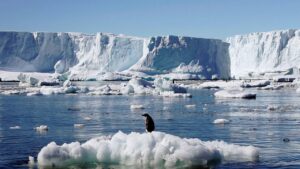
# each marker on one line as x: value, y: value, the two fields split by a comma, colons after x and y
x: 156, y: 149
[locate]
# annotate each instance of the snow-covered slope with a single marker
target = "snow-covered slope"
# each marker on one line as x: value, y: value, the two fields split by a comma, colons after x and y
x: 264, y: 52
x: 86, y: 56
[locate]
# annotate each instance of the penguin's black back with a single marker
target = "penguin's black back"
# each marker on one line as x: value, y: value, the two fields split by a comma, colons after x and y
x: 149, y: 124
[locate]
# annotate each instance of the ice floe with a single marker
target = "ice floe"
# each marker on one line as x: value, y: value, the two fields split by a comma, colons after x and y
x: 190, y: 106
x: 235, y: 94
x: 221, y: 121
x: 137, y: 106
x: 154, y: 149
x: 78, y: 125
x: 15, y: 127
x: 259, y: 83
x: 41, y: 128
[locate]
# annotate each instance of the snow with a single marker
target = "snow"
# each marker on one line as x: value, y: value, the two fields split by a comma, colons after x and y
x: 144, y: 149
x: 264, y: 52
x: 221, y: 121
x: 235, y: 94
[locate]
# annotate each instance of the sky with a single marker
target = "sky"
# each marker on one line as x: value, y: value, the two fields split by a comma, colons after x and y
x: 198, y: 18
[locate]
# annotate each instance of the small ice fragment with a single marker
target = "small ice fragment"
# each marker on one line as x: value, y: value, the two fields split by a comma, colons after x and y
x: 15, y: 127
x: 30, y: 161
x: 87, y: 118
x: 78, y: 125
x: 190, y: 106
x: 137, y: 106
x: 41, y: 128
x: 221, y: 121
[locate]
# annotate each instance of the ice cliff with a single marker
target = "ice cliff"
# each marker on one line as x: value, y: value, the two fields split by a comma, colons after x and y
x: 86, y: 56
x: 264, y: 52
x: 175, y: 54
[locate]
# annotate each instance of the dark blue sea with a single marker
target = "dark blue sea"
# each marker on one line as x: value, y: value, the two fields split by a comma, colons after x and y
x: 251, y: 123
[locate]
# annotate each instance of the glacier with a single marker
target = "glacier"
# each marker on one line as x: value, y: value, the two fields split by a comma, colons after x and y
x: 84, y: 56
x: 80, y: 56
x: 265, y: 52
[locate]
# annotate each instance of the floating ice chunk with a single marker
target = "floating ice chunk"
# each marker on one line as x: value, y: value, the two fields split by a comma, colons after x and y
x: 36, y: 93
x: 259, y: 83
x: 31, y: 161
x: 12, y: 92
x: 41, y: 128
x: 137, y: 106
x: 218, y: 84
x: 172, y: 94
x: 235, y: 94
x: 71, y: 89
x: 78, y: 125
x: 112, y: 76
x: 27, y: 80
x: 298, y: 90
x: 163, y: 85
x: 45, y: 90
x: 105, y: 90
x: 221, y: 121
x: 87, y: 118
x: 190, y: 106
x: 144, y: 150
x: 271, y: 87
x: 137, y: 86
x: 15, y: 127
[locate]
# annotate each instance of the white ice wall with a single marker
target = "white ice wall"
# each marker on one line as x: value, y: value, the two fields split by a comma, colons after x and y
x: 84, y: 55
x: 264, y: 51
x: 185, y: 55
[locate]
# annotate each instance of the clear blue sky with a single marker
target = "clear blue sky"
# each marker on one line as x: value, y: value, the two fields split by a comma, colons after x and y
x: 199, y: 18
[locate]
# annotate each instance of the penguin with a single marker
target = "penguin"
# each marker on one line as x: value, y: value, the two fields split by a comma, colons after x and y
x: 149, y: 123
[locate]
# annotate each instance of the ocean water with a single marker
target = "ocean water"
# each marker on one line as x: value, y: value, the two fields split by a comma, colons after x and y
x: 251, y: 123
